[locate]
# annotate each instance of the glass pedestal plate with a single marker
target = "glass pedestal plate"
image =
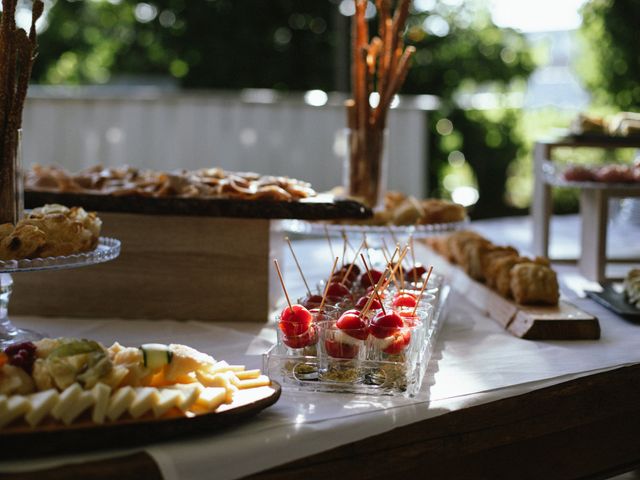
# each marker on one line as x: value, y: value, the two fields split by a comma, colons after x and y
x: 107, y: 249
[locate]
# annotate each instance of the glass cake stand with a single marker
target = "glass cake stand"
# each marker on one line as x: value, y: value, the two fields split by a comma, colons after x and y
x: 107, y: 249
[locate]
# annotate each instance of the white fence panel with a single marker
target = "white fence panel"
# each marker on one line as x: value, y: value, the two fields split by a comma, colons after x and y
x: 270, y: 133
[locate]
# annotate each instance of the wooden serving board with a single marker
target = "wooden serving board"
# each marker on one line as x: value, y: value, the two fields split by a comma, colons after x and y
x: 533, y: 322
x: 321, y: 207
x: 54, y: 439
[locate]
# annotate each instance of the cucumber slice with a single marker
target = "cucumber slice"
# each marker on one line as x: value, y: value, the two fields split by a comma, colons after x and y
x: 156, y: 355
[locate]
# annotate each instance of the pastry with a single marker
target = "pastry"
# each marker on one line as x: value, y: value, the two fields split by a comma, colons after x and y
x: 533, y: 283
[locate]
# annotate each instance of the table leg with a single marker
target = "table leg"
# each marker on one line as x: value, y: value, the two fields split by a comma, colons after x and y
x: 594, y: 213
x: 541, y: 207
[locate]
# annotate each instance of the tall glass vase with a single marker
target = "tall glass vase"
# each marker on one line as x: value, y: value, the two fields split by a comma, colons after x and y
x: 365, y: 165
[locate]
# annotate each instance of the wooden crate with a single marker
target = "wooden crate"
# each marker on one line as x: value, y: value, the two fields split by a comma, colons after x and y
x: 173, y: 267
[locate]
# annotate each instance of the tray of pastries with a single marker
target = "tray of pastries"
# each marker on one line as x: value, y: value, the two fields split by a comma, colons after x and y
x: 69, y: 394
x: 204, y: 192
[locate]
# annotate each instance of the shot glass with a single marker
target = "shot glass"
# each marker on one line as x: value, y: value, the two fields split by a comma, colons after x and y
x: 340, y: 353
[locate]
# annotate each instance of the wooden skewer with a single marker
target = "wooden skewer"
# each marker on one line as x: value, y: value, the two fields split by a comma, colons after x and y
x: 286, y: 294
x: 326, y: 233
x: 424, y: 286
x: 413, y: 259
x: 346, y: 275
x: 386, y: 259
x: 402, y: 255
x: 380, y: 282
x: 377, y: 294
x: 326, y: 287
x: 295, y: 258
x: 344, y: 248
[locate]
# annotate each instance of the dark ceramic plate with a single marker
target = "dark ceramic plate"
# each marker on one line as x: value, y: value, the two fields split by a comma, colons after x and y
x: 613, y: 299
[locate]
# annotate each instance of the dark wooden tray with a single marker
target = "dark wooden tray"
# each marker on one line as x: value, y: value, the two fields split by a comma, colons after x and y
x: 54, y: 439
x: 616, y: 302
x: 321, y: 207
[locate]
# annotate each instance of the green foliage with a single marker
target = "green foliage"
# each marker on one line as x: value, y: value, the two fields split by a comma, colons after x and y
x: 612, y: 71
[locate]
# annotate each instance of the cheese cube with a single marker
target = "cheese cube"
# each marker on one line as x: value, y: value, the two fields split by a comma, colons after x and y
x: 15, y: 407
x: 146, y: 397
x: 41, y: 405
x: 67, y: 398
x: 120, y: 402
x: 212, y: 397
x: 261, y: 381
x: 167, y: 398
x: 84, y: 401
x: 101, y: 394
x: 189, y: 395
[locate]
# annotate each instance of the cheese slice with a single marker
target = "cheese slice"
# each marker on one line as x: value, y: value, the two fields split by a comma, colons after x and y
x: 84, y: 401
x: 167, y: 398
x: 146, y: 397
x: 101, y: 394
x: 189, y: 395
x: 248, y: 374
x: 67, y: 398
x: 15, y: 407
x: 261, y: 381
x: 212, y: 397
x: 120, y: 402
x: 41, y: 405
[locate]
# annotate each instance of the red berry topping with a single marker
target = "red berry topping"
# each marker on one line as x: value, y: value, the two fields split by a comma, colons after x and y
x: 351, y: 323
x: 384, y: 325
x: 310, y: 337
x: 295, y: 320
x: 362, y: 301
x: 337, y: 291
x: 312, y: 301
x: 404, y: 300
x: 22, y: 355
x: 364, y: 278
x: 340, y: 350
x: 416, y: 272
x: 400, y: 342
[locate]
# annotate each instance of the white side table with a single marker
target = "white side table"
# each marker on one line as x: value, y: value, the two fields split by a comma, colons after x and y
x: 594, y: 201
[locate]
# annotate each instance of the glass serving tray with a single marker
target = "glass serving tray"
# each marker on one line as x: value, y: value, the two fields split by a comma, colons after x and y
x: 379, y: 377
x: 303, y: 227
x: 107, y: 249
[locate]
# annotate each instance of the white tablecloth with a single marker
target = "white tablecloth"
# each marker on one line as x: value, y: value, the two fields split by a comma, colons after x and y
x: 475, y: 362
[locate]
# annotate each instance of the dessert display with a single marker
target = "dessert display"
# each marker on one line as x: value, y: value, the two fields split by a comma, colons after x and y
x: 380, y: 66
x: 632, y: 287
x: 366, y: 330
x: 404, y: 210
x: 528, y: 281
x: 623, y: 124
x: 50, y: 231
x: 203, y: 183
x: 614, y: 173
x: 69, y: 380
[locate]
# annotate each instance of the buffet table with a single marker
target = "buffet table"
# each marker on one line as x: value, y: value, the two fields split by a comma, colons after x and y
x: 490, y: 402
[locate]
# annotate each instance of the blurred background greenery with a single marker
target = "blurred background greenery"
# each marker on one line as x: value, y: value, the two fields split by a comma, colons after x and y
x: 481, y: 137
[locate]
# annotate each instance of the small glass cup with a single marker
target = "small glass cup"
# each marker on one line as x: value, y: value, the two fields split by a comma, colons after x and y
x: 340, y: 353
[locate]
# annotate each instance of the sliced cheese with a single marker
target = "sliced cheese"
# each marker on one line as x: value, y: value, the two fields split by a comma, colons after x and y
x: 67, y: 398
x: 15, y: 407
x: 101, y: 394
x: 189, y: 395
x: 120, y: 402
x: 261, y: 381
x: 219, y: 380
x: 212, y: 397
x: 167, y: 399
x: 248, y: 374
x: 84, y: 401
x: 146, y: 397
x: 41, y: 405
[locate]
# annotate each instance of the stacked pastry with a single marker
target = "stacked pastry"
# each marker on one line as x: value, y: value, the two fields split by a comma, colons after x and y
x: 202, y: 183
x: 528, y: 281
x: 50, y: 231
